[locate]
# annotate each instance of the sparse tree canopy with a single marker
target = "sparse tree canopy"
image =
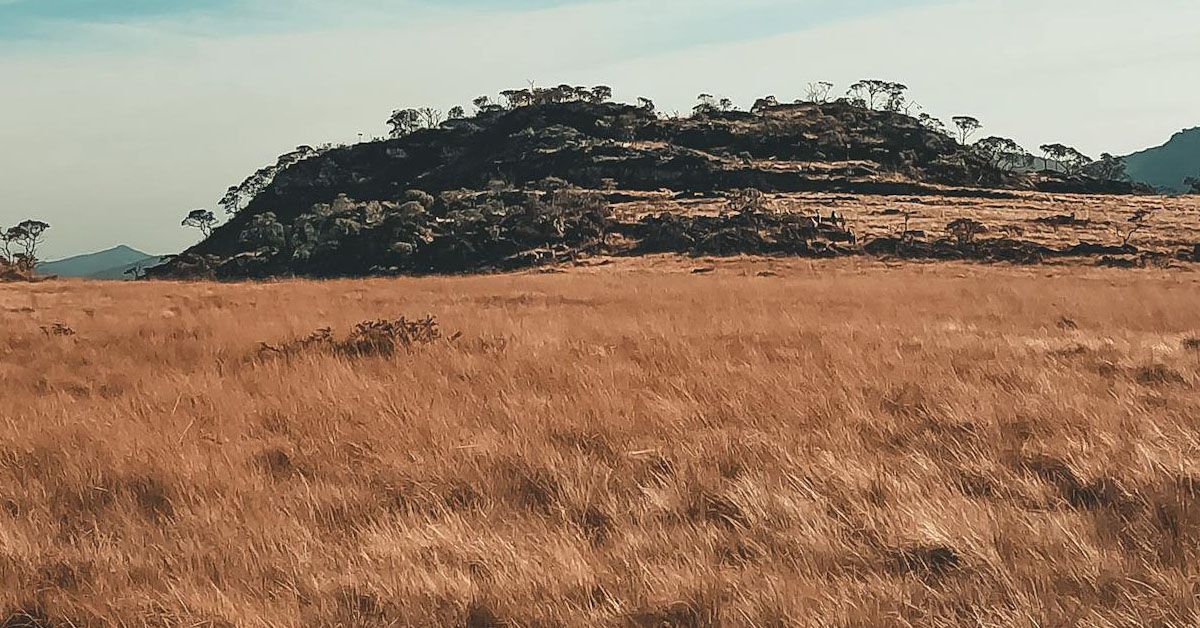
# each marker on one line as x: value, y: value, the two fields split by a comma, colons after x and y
x: 707, y: 104
x: 897, y: 98
x: 524, y: 97
x: 864, y: 93
x: 646, y: 104
x: 1003, y: 153
x: 430, y: 117
x: 763, y: 104
x: 601, y: 93
x: 408, y: 121
x: 201, y: 219
x: 237, y: 196
x: 818, y: 92
x: 20, y: 242
x: 515, y: 98
x: 1071, y: 160
x: 1108, y: 168
x: 967, y: 126
x: 404, y: 122
x: 875, y: 94
x: 456, y: 113
x: 933, y: 124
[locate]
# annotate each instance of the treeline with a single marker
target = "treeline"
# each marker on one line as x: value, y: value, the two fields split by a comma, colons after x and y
x: 1002, y: 153
x: 407, y: 121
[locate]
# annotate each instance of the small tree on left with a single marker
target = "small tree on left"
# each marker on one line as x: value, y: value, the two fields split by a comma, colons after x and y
x: 21, y: 242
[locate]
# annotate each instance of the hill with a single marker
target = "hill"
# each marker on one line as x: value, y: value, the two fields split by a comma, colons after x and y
x: 109, y: 264
x: 535, y: 184
x: 1165, y: 167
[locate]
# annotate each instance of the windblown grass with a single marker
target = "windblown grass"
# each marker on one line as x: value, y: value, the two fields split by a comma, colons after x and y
x: 843, y: 445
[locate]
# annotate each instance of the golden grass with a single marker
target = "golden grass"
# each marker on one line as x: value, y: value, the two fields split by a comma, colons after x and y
x: 1174, y: 226
x: 838, y: 444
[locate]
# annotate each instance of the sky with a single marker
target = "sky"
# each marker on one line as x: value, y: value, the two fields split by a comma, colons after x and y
x: 119, y: 116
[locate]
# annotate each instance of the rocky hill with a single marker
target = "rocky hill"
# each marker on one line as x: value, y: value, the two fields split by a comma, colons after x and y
x: 354, y: 209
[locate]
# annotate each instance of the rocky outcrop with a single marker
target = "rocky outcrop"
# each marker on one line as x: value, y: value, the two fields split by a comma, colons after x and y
x: 787, y: 148
x: 304, y: 222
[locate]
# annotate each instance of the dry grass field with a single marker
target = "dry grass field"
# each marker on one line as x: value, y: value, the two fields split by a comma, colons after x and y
x: 772, y: 443
x: 1173, y: 226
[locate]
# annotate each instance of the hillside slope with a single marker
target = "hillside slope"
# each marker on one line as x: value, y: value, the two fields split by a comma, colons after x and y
x: 1165, y: 167
x: 536, y: 184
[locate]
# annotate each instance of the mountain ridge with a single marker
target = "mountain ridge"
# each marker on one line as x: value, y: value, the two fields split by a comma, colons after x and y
x: 110, y: 263
x: 1165, y: 167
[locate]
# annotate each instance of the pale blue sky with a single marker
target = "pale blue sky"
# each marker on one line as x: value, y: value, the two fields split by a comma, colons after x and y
x: 34, y: 24
x: 121, y: 115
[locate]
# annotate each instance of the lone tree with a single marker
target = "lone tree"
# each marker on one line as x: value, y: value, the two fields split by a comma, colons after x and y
x: 22, y: 241
x: 866, y: 92
x: 1138, y: 220
x: 967, y: 126
x: 456, y: 113
x: 706, y: 104
x: 818, y: 92
x: 201, y: 219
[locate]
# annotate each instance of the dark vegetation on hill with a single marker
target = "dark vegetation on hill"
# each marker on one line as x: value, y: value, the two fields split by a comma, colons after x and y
x: 528, y: 183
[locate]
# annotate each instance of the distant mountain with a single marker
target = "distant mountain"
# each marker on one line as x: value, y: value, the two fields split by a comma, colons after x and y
x: 1166, y: 166
x: 110, y: 264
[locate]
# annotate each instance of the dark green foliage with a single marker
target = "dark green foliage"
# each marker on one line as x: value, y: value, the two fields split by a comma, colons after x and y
x: 459, y: 232
x: 238, y: 195
x: 1107, y: 168
x: 19, y: 244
